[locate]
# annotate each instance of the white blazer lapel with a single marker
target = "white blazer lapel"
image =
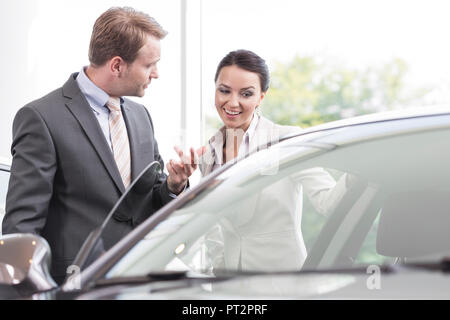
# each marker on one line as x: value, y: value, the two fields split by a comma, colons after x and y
x: 213, y: 154
x: 265, y: 132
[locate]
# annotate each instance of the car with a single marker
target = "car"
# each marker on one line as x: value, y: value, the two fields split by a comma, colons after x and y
x: 382, y: 232
x: 5, y: 166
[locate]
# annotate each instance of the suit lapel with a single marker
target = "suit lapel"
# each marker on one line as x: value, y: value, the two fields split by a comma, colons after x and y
x: 207, y: 161
x: 265, y: 132
x: 214, y: 152
x: 135, y: 152
x: 79, y: 107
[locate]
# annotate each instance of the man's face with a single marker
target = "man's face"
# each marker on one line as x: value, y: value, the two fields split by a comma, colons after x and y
x: 141, y: 71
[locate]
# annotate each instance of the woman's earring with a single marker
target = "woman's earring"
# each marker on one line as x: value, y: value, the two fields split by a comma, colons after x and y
x: 258, y: 111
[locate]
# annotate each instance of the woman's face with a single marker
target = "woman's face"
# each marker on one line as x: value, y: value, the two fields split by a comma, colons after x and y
x: 238, y: 93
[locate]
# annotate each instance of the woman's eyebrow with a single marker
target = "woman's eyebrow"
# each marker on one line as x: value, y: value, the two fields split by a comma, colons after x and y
x: 228, y: 87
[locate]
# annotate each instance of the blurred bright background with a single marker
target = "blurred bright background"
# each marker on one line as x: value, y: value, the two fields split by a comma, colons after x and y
x: 328, y: 59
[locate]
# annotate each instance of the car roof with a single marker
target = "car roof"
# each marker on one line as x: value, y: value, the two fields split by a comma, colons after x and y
x: 412, y: 112
x: 375, y: 125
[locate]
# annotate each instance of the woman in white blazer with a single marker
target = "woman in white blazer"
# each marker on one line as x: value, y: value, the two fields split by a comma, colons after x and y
x: 266, y: 233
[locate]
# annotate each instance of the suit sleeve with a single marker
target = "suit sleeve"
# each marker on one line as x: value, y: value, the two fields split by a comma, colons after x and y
x: 32, y: 172
x: 321, y: 188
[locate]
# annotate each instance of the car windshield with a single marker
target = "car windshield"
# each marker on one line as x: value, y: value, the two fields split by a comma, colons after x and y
x: 132, y: 207
x: 301, y: 205
x: 4, y: 179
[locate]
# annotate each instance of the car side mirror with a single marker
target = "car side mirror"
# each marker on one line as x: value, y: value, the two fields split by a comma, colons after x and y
x: 24, y: 265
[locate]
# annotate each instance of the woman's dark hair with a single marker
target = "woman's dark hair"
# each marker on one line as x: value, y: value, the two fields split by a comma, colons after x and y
x: 249, y: 61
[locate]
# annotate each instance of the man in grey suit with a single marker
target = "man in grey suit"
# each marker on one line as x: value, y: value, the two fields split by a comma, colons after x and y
x: 76, y: 149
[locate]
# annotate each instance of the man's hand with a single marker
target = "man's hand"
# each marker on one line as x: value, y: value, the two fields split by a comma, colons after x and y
x: 180, y: 171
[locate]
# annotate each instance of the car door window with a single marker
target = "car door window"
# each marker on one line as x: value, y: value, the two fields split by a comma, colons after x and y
x: 312, y: 220
x: 368, y: 253
x: 406, y: 218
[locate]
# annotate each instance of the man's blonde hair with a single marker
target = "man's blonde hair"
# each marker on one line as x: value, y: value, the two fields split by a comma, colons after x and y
x: 121, y: 32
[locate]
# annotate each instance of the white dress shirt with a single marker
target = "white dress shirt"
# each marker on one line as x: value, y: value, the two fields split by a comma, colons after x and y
x: 97, y: 99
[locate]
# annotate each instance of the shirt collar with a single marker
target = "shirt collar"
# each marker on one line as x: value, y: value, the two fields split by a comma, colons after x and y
x: 216, y: 148
x: 96, y: 97
x: 250, y: 130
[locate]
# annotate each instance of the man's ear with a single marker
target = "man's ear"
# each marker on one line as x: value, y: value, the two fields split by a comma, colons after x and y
x: 116, y: 65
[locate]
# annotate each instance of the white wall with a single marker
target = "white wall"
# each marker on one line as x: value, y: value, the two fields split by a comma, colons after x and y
x: 357, y: 33
x: 44, y: 41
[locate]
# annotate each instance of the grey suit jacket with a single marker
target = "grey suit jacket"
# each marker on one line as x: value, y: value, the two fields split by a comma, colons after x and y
x: 64, y: 179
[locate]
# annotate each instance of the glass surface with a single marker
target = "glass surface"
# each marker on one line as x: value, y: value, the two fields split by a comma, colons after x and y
x: 318, y: 71
x: 377, y: 201
x: 4, y: 181
x: 133, y: 207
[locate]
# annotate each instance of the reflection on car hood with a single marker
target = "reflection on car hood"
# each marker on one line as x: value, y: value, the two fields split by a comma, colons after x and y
x: 407, y: 284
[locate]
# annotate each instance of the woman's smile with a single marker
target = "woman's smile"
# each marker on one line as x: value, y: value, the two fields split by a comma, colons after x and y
x: 231, y: 114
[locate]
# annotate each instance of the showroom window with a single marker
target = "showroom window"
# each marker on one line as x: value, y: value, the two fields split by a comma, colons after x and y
x: 328, y: 59
x: 332, y: 59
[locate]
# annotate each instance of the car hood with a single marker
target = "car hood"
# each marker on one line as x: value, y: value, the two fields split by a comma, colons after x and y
x: 410, y: 284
